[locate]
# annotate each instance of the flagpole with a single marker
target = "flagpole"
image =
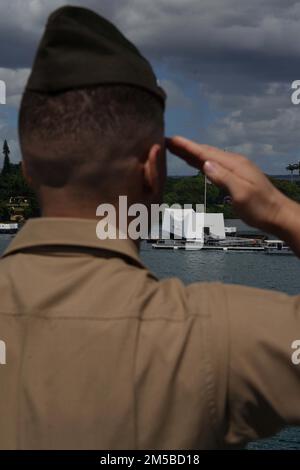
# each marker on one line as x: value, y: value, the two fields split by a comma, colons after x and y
x: 205, y: 193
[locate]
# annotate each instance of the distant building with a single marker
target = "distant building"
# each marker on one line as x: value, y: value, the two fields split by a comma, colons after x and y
x: 183, y: 224
x: 188, y: 224
x: 214, y: 225
x: 227, y: 200
x: 17, y: 205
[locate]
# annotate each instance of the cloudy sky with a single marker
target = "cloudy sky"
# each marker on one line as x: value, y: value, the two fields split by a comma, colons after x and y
x: 227, y: 66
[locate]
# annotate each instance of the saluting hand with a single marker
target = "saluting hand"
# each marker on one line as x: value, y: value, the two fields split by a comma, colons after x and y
x: 254, y: 197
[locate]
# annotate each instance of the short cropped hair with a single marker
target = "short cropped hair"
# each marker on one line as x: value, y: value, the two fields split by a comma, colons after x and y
x: 84, y: 136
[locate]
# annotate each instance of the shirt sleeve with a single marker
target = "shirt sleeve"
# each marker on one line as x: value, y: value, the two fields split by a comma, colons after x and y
x: 263, y: 370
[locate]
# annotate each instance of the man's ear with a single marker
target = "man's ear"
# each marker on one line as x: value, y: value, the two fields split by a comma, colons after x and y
x: 154, y: 170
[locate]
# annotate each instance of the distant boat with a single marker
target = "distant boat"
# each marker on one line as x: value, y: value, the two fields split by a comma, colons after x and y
x: 185, y: 229
x: 9, y: 228
x: 189, y: 245
x: 277, y: 247
x: 178, y: 226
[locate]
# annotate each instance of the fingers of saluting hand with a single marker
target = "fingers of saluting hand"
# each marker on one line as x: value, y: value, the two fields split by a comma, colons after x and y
x: 224, y: 177
x: 218, y: 165
x: 197, y: 154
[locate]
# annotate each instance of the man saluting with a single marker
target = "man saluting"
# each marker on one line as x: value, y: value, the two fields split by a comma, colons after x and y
x: 100, y: 354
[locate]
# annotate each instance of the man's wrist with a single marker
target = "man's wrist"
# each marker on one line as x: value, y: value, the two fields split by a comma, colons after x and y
x: 286, y: 224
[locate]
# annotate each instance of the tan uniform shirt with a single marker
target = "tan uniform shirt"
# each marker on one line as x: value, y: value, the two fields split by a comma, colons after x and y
x: 100, y: 354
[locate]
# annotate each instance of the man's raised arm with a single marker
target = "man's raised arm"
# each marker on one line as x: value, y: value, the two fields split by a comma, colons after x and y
x: 254, y: 197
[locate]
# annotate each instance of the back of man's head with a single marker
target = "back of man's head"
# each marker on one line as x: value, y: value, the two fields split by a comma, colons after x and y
x: 92, y: 109
x: 88, y: 138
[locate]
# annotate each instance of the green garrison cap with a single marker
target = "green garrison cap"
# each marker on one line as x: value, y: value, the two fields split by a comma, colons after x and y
x: 80, y: 48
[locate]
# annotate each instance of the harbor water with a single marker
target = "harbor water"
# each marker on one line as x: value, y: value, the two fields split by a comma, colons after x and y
x: 280, y: 273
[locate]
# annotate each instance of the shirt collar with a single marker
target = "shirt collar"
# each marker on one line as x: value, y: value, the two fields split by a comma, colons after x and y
x: 69, y: 232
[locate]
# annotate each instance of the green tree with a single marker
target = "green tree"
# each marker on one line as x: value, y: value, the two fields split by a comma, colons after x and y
x: 4, y: 212
x: 190, y: 190
x: 6, y: 164
x: 291, y: 190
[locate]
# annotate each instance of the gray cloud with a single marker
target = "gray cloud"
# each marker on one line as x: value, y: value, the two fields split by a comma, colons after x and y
x: 262, y: 125
x: 233, y: 32
x: 243, y: 55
